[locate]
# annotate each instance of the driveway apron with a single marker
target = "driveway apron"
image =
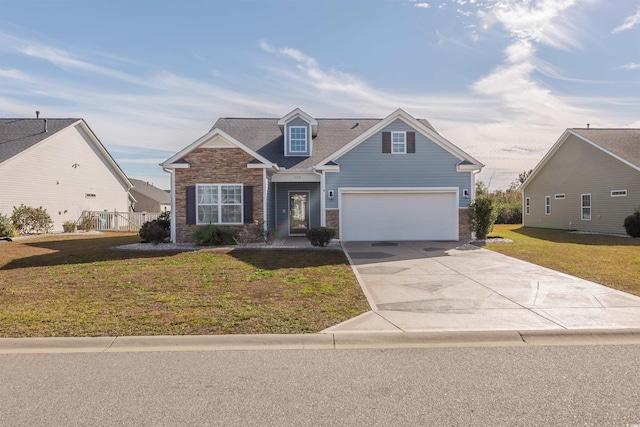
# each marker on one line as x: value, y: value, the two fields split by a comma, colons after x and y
x: 448, y: 286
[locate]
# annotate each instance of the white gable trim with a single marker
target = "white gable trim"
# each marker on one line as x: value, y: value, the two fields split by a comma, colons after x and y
x: 566, y: 134
x: 304, y: 116
x: 409, y: 120
x: 210, y: 136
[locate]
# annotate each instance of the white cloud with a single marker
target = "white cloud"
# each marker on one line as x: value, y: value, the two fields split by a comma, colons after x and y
x: 629, y: 22
x: 422, y: 5
x: 630, y: 66
x: 161, y: 112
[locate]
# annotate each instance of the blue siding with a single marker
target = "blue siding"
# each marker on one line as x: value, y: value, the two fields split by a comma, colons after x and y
x: 367, y: 166
x: 282, y: 203
x: 297, y: 122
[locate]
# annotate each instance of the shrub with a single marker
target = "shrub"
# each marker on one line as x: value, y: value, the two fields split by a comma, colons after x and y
x: 254, y: 232
x: 632, y: 223
x: 213, y: 235
x: 508, y: 211
x: 6, y: 227
x: 69, y: 226
x: 483, y: 216
x: 29, y: 220
x: 320, y: 236
x: 86, y: 222
x: 157, y: 230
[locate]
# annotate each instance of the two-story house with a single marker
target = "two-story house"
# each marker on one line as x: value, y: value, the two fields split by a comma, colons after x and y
x: 395, y: 178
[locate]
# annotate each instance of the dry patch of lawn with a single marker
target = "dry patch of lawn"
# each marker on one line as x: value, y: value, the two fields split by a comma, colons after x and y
x: 78, y: 286
x: 608, y: 260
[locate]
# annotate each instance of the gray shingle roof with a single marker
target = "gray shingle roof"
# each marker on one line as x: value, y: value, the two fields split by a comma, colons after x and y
x: 150, y: 191
x: 265, y: 137
x: 623, y: 142
x: 17, y: 135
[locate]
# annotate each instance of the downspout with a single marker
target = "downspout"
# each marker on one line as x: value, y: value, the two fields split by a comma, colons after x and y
x: 173, y: 203
x: 323, y: 220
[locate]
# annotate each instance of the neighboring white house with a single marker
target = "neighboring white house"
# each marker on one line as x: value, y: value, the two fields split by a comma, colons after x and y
x: 61, y: 165
x: 149, y: 198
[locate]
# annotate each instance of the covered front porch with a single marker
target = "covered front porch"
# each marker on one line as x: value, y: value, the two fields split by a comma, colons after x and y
x: 294, y: 207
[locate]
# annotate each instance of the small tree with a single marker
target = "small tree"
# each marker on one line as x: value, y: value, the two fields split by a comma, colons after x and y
x: 483, y: 215
x: 632, y: 223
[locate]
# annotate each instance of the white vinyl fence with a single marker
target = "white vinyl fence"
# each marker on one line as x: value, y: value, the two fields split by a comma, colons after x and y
x: 119, y: 221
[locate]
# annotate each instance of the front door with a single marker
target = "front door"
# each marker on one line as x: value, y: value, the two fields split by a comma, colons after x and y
x: 298, y: 212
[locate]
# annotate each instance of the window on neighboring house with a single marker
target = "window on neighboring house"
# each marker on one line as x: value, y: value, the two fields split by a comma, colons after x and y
x: 547, y: 205
x: 298, y: 139
x: 398, y: 142
x: 586, y: 207
x: 219, y: 203
x: 527, y: 206
x: 560, y: 196
x: 618, y: 193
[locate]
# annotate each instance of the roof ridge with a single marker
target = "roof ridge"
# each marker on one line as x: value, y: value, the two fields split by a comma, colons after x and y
x: 590, y: 128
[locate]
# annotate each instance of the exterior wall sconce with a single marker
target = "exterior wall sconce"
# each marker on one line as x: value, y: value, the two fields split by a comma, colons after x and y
x: 465, y: 193
x: 330, y: 194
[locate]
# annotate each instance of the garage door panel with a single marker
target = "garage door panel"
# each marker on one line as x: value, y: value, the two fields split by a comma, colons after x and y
x: 399, y: 216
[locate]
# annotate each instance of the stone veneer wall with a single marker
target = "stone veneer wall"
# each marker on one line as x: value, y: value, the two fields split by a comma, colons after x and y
x: 215, y: 166
x: 332, y: 218
x: 464, y: 224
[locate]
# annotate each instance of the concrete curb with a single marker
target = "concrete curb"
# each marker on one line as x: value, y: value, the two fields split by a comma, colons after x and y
x: 335, y: 341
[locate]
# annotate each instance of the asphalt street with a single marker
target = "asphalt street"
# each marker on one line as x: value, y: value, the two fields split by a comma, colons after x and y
x: 528, y: 385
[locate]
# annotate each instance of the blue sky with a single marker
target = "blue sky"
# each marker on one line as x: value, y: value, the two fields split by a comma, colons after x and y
x: 501, y: 79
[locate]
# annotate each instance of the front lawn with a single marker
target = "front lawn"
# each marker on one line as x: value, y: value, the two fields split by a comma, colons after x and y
x: 77, y: 286
x: 608, y: 260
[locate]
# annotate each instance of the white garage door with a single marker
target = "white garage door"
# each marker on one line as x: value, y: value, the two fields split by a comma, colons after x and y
x: 424, y: 214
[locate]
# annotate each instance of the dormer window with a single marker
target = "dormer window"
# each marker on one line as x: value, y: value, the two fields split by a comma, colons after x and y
x: 298, y: 129
x: 298, y: 139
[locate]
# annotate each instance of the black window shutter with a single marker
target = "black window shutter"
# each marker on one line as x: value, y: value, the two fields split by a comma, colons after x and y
x: 247, y: 196
x: 411, y: 142
x: 191, y: 204
x: 386, y: 142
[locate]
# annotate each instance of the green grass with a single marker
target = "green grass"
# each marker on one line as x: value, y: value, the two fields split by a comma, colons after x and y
x: 608, y: 260
x: 78, y: 286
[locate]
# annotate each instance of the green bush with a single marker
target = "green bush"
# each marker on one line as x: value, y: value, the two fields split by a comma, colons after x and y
x: 157, y: 230
x: 483, y: 216
x: 6, y: 227
x: 508, y: 211
x: 69, y: 226
x: 632, y: 223
x: 213, y: 235
x: 27, y: 220
x: 320, y: 236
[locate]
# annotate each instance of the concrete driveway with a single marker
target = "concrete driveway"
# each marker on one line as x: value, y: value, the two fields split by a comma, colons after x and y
x: 448, y: 286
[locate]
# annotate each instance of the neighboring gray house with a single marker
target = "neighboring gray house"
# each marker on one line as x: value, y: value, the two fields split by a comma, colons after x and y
x: 395, y: 178
x: 588, y: 181
x: 61, y: 165
x: 149, y: 198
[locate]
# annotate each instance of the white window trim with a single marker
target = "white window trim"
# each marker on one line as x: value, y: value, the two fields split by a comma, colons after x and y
x: 306, y: 139
x: 623, y: 193
x: 582, y: 207
x: 527, y: 205
x: 220, y: 204
x: 404, y: 144
x: 547, y: 205
x: 561, y: 196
